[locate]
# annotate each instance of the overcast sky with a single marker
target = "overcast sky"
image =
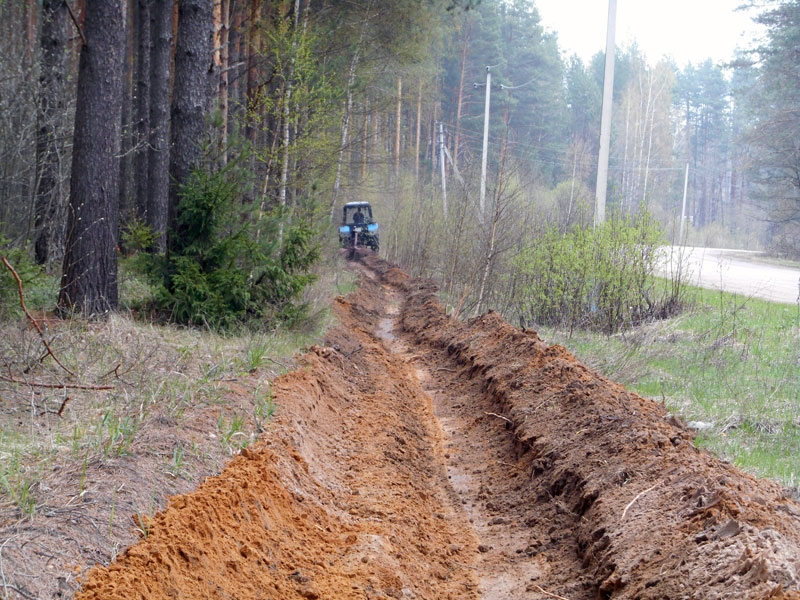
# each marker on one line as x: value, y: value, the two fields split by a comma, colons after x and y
x: 686, y: 30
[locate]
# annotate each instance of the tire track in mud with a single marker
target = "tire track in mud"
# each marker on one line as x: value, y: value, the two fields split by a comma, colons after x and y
x: 482, y: 470
x: 413, y: 456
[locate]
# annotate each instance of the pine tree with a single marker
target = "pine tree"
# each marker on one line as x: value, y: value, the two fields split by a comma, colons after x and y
x: 190, y: 97
x: 89, y: 276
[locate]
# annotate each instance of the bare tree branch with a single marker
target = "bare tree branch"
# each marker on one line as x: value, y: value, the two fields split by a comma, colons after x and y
x: 31, y: 318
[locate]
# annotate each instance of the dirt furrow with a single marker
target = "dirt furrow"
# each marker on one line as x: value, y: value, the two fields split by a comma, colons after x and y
x: 482, y: 471
x: 346, y: 495
x: 413, y: 456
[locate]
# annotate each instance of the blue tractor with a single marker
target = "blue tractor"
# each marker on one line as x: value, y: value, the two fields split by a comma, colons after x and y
x: 358, y: 228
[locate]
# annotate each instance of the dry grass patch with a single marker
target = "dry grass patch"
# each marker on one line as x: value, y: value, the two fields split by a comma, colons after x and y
x: 104, y: 388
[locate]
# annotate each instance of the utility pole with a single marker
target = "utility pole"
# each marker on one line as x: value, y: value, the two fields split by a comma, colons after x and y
x: 605, y: 120
x: 442, y: 150
x: 485, y: 141
x: 682, y: 236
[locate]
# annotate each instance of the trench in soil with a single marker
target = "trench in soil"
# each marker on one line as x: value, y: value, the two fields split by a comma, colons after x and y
x: 413, y: 456
x: 476, y: 445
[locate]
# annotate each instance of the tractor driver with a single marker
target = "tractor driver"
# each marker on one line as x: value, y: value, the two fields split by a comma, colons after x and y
x: 358, y: 218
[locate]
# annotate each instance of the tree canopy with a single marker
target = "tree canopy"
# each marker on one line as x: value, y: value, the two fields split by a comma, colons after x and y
x: 320, y: 102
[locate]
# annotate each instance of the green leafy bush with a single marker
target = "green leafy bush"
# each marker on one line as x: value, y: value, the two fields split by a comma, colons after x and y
x: 594, y: 278
x: 227, y: 267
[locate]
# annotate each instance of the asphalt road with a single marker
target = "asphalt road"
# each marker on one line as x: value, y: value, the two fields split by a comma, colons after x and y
x: 739, y: 271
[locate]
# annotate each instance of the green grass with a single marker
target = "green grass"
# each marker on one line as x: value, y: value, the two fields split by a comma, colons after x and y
x: 19, y: 477
x: 730, y: 366
x: 264, y: 407
x: 232, y: 432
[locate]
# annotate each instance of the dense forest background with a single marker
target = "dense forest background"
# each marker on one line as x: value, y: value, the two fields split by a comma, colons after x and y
x: 220, y: 138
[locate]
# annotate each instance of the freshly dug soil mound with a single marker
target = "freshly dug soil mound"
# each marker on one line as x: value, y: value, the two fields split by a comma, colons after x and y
x: 414, y: 456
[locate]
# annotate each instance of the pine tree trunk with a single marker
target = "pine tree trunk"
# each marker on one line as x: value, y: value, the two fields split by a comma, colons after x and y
x: 418, y: 131
x: 49, y: 152
x: 236, y: 58
x: 365, y: 140
x: 158, y: 148
x: 142, y: 96
x: 461, y: 82
x: 190, y: 97
x: 89, y: 277
x: 253, y: 49
x: 398, y: 128
x: 287, y: 112
x: 626, y: 187
x: 224, y: 66
x: 128, y: 203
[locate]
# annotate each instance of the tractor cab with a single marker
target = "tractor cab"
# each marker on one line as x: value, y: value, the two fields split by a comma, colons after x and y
x: 358, y: 226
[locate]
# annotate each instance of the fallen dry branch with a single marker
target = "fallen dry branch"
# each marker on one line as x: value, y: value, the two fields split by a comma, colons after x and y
x: 506, y: 419
x: 58, y: 386
x: 31, y: 318
x: 13, y: 588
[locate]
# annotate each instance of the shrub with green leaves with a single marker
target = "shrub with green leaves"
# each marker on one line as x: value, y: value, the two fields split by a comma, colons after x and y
x: 595, y: 278
x: 227, y: 267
